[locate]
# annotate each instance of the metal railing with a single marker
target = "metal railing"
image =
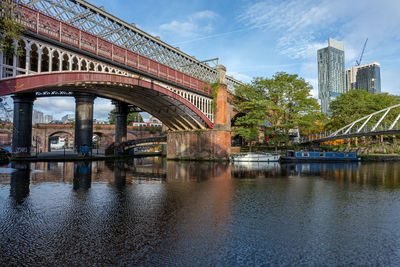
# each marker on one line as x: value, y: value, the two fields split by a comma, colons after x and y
x: 57, y: 30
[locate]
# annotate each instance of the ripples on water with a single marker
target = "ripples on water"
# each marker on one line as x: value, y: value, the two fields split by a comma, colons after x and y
x: 153, y: 212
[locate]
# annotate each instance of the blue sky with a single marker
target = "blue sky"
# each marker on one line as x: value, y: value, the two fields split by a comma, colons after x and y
x: 260, y: 38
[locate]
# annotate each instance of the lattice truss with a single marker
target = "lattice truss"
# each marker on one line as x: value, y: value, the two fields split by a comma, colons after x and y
x: 99, y: 22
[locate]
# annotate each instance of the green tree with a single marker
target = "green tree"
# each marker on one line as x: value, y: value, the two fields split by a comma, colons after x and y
x: 284, y: 101
x: 356, y: 104
x: 251, y: 102
x: 132, y: 117
x: 10, y: 29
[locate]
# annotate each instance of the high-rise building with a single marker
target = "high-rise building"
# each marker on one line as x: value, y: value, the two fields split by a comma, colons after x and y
x: 351, y: 78
x: 67, y: 118
x: 365, y: 77
x: 37, y: 116
x: 331, y: 81
x: 48, y: 118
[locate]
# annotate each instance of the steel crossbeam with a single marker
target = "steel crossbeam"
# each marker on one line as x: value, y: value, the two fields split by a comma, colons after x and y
x: 97, y: 21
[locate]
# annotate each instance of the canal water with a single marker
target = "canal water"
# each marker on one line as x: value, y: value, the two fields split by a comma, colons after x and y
x: 154, y: 212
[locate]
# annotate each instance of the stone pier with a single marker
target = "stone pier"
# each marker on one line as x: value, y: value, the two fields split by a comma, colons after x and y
x: 84, y: 120
x: 121, y: 118
x: 214, y: 144
x: 22, y: 130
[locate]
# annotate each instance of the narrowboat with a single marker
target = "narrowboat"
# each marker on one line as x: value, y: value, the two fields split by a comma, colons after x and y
x: 255, y: 157
x: 317, y: 156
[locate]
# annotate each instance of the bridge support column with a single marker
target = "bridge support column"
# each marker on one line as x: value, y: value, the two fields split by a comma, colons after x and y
x: 121, y: 118
x: 212, y: 144
x: 22, y: 128
x: 83, y: 120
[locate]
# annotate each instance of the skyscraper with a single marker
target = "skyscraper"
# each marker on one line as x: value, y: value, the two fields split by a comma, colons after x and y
x: 37, y: 116
x: 331, y: 82
x: 365, y: 77
x: 48, y: 118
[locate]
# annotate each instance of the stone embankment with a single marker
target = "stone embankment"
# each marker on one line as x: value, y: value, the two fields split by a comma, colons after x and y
x: 380, y: 157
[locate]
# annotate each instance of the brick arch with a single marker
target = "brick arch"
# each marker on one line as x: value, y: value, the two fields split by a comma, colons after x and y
x: 172, y: 109
x: 108, y: 138
x: 68, y: 132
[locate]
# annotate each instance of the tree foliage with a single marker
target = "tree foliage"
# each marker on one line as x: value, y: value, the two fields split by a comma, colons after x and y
x: 356, y: 104
x: 132, y: 117
x: 10, y: 29
x: 283, y: 102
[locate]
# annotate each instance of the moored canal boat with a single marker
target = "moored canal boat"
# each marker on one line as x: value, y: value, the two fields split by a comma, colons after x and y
x: 255, y: 157
x: 316, y: 156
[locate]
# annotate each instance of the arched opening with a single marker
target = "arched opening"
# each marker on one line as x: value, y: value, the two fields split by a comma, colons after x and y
x: 65, y: 62
x: 91, y: 66
x: 34, y: 57
x: 55, y: 64
x: 99, y: 68
x: 60, y: 140
x: 106, y: 69
x: 176, y: 113
x: 45, y: 60
x: 75, y: 64
x: 237, y: 140
x: 101, y: 140
x: 83, y: 65
x: 21, y: 61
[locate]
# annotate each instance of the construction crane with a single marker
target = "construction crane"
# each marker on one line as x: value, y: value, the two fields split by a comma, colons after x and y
x: 362, y: 53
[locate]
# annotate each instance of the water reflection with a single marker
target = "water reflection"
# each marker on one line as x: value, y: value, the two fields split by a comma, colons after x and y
x: 154, y: 212
x: 119, y: 175
x: 386, y: 174
x: 252, y: 170
x: 19, y: 181
x: 82, y: 175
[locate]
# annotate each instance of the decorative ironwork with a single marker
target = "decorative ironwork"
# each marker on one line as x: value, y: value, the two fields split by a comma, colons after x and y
x: 97, y: 21
x: 53, y: 93
x: 55, y: 29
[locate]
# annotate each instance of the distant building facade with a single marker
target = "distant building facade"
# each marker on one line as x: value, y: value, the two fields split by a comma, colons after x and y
x: 37, y: 117
x: 154, y: 120
x: 48, y: 118
x: 67, y: 119
x: 96, y: 121
x: 365, y: 77
x: 331, y: 75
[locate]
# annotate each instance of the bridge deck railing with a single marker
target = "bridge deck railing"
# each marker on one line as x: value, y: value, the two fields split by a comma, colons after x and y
x: 354, y: 132
x: 55, y: 29
x: 372, y: 124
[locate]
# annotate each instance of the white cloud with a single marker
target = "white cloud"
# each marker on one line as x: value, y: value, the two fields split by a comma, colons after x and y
x: 56, y: 106
x: 101, y: 108
x: 194, y: 25
x: 302, y: 26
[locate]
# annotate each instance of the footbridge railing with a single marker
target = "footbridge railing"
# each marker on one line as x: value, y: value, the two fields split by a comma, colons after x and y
x: 382, y: 122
